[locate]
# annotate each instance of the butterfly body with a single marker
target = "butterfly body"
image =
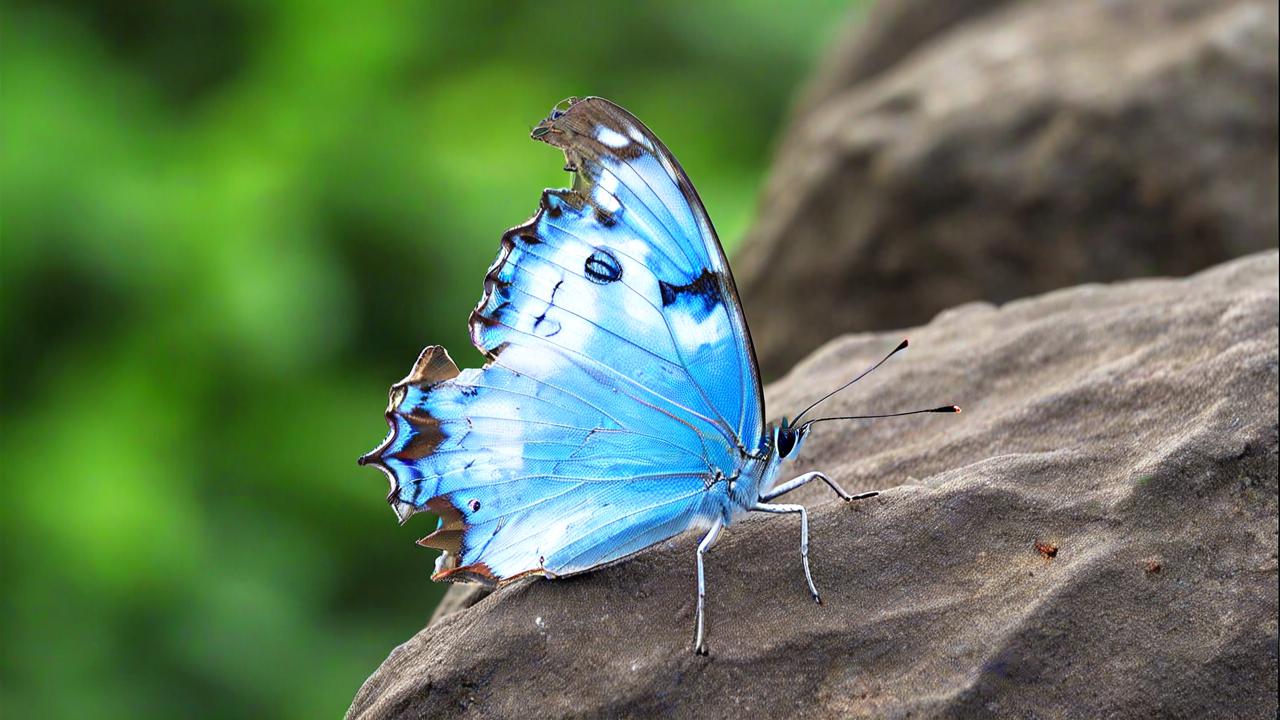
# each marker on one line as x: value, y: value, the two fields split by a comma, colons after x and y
x: 620, y: 404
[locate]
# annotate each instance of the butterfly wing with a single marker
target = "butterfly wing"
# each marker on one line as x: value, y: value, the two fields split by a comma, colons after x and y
x: 649, y: 211
x: 619, y: 378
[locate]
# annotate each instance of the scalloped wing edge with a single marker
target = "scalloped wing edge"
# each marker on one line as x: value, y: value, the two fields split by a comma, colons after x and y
x: 432, y: 367
x: 492, y: 279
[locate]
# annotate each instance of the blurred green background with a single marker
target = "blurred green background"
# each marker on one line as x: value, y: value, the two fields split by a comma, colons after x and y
x: 227, y: 227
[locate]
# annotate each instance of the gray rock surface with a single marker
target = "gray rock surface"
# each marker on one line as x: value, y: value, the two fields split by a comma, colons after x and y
x: 985, y: 150
x: 1095, y: 536
x: 891, y: 31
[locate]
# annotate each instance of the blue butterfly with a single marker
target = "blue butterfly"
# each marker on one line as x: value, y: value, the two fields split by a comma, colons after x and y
x: 620, y: 404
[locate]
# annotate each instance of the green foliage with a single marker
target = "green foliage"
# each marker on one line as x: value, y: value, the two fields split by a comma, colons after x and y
x: 227, y: 228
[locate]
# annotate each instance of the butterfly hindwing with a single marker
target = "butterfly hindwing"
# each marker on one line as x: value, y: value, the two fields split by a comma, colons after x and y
x: 527, y: 477
x: 620, y: 380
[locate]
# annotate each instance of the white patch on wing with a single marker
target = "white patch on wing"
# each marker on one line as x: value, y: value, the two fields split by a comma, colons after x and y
x: 712, y: 329
x: 578, y: 342
x: 604, y: 194
x: 486, y: 403
x: 635, y: 249
x: 535, y: 363
x: 611, y: 138
x: 562, y: 255
x: 639, y: 137
x: 555, y: 535
x: 639, y: 306
x: 527, y: 538
x: 659, y: 175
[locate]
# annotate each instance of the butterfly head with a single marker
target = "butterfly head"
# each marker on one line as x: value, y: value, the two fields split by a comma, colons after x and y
x: 545, y: 127
x: 788, y: 438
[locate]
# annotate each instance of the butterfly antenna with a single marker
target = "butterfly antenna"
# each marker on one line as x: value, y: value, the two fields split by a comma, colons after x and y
x: 901, y: 346
x: 943, y: 409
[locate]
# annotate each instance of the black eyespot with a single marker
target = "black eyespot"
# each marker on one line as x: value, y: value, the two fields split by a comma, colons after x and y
x: 786, y: 442
x: 602, y: 268
x: 474, y: 505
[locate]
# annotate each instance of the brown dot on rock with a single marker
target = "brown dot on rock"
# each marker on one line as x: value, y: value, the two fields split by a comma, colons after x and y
x: 1048, y: 550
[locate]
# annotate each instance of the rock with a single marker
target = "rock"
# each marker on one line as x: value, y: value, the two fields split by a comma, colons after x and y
x: 1095, y: 536
x: 891, y: 31
x: 459, y: 597
x: 992, y: 151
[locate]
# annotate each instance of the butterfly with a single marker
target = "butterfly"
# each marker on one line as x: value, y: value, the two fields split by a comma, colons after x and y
x: 620, y: 403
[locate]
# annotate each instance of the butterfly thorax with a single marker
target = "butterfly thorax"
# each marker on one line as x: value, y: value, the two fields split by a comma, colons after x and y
x: 758, y: 471
x: 755, y: 476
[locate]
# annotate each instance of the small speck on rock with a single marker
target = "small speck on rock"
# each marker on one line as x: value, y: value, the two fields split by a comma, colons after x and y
x: 1048, y: 550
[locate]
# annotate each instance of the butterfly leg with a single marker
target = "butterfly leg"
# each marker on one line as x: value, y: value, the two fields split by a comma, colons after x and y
x: 699, y: 646
x: 794, y: 483
x: 804, y: 538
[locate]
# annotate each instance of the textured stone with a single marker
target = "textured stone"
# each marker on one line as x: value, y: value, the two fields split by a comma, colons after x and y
x: 981, y: 150
x: 1095, y: 536
x: 891, y: 31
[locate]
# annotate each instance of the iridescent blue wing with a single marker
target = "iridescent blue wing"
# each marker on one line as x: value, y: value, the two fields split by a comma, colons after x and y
x: 620, y: 385
x: 647, y: 210
x: 529, y: 473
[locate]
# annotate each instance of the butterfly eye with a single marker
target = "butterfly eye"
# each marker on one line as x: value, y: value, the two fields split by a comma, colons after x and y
x: 786, y: 442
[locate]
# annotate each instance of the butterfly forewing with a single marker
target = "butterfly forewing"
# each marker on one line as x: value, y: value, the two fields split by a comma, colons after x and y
x: 624, y: 171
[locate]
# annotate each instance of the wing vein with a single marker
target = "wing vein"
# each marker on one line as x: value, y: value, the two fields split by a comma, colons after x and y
x: 722, y: 429
x: 666, y: 323
x: 619, y: 519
